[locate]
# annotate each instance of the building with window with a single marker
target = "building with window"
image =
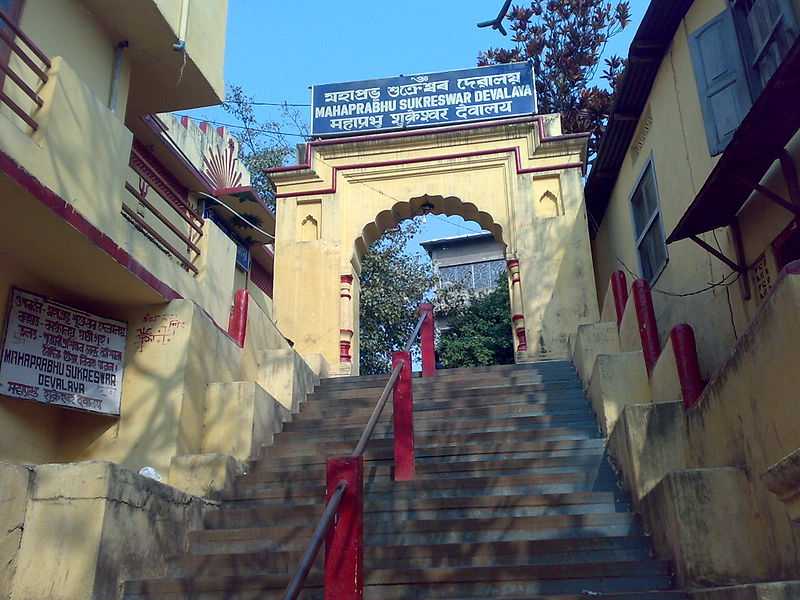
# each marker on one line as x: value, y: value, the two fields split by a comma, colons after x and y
x: 135, y: 282
x: 694, y: 187
x: 693, y: 203
x: 474, y: 261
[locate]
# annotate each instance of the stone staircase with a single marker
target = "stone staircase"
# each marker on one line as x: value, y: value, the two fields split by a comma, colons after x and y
x: 513, y: 499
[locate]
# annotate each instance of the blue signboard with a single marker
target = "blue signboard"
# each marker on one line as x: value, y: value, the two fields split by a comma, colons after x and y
x: 426, y: 100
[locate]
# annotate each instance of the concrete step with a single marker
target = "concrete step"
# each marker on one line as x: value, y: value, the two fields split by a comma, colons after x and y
x: 289, y: 439
x: 383, y: 449
x: 288, y: 536
x: 345, y: 415
x: 458, y: 374
x: 437, y: 582
x: 262, y: 516
x: 546, y: 402
x: 544, y: 552
x: 457, y: 427
x: 434, y: 466
x: 246, y: 488
x: 452, y: 391
x: 327, y: 426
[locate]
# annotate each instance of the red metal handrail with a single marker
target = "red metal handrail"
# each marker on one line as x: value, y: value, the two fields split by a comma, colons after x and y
x: 402, y: 364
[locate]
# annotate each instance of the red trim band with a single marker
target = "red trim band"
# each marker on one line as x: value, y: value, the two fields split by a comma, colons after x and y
x: 65, y: 210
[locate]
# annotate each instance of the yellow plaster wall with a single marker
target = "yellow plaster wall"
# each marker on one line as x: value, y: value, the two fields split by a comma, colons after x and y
x: 677, y: 145
x: 68, y: 29
x: 553, y: 249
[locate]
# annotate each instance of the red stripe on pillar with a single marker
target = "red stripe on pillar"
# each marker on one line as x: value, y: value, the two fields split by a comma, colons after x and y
x: 648, y: 329
x: 344, y: 545
x: 403, y: 404
x: 685, y: 349
x: 619, y: 289
x: 427, y: 343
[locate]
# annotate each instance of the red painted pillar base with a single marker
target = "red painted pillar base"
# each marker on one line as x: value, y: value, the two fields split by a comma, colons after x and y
x: 344, y: 545
x: 403, y: 403
x: 237, y: 322
x: 427, y: 334
x: 685, y: 349
x: 619, y: 289
x: 648, y: 329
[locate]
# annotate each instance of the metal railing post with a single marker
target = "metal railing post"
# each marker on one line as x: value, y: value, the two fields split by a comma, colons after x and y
x: 344, y: 545
x: 687, y: 363
x: 619, y: 289
x: 427, y: 343
x: 648, y: 329
x: 403, y: 404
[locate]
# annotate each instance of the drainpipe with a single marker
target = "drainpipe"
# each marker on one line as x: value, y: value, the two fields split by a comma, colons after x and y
x: 183, y: 26
x: 115, y: 75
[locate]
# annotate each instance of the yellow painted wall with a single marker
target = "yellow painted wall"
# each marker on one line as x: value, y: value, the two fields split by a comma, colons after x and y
x: 676, y: 144
x: 67, y: 28
x: 553, y: 250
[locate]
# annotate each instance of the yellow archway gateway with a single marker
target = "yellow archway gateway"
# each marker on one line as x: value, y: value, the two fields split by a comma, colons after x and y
x: 519, y: 178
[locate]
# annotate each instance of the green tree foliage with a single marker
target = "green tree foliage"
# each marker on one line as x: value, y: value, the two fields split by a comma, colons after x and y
x: 393, y: 285
x: 480, y: 332
x: 566, y: 40
x: 262, y: 143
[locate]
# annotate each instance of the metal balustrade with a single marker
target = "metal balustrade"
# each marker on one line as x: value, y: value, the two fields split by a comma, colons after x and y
x: 178, y: 227
x: 16, y: 41
x: 344, y: 570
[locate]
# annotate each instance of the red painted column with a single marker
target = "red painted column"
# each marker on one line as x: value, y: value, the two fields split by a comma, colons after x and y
x: 403, y: 404
x: 646, y: 316
x: 427, y: 343
x: 685, y: 349
x: 344, y: 545
x: 619, y: 289
x: 237, y: 322
x: 519, y: 327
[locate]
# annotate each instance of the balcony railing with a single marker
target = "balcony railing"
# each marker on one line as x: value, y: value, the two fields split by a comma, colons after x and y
x: 22, y: 46
x: 162, y: 210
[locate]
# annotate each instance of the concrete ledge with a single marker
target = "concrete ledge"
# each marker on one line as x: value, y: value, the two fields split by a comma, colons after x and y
x: 240, y: 417
x: 15, y: 483
x: 287, y: 377
x: 664, y: 383
x: 690, y: 513
x: 629, y: 338
x: 90, y: 526
x: 617, y: 381
x: 783, y: 480
x: 204, y: 475
x: 777, y: 590
x: 590, y: 341
x: 647, y: 443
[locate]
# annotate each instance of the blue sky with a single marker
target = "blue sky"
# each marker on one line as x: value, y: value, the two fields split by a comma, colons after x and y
x: 276, y: 50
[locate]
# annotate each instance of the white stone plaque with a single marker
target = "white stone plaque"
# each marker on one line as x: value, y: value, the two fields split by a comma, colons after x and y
x: 55, y: 354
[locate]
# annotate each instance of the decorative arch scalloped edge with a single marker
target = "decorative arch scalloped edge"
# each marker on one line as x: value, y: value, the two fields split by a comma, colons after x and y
x: 449, y: 206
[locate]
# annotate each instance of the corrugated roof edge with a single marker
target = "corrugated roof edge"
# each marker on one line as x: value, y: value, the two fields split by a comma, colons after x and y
x: 649, y: 45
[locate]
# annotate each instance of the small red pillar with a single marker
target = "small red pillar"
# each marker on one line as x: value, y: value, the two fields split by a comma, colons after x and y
x: 648, y: 329
x: 344, y: 545
x: 403, y: 404
x: 427, y: 334
x: 237, y: 322
x: 685, y: 349
x: 619, y: 289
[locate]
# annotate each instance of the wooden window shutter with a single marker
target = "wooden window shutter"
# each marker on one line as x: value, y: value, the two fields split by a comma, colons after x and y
x: 721, y: 79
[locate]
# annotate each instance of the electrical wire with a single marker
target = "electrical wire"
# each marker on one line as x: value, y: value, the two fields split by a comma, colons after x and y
x: 711, y: 285
x: 294, y: 104
x: 233, y: 212
x: 234, y: 126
